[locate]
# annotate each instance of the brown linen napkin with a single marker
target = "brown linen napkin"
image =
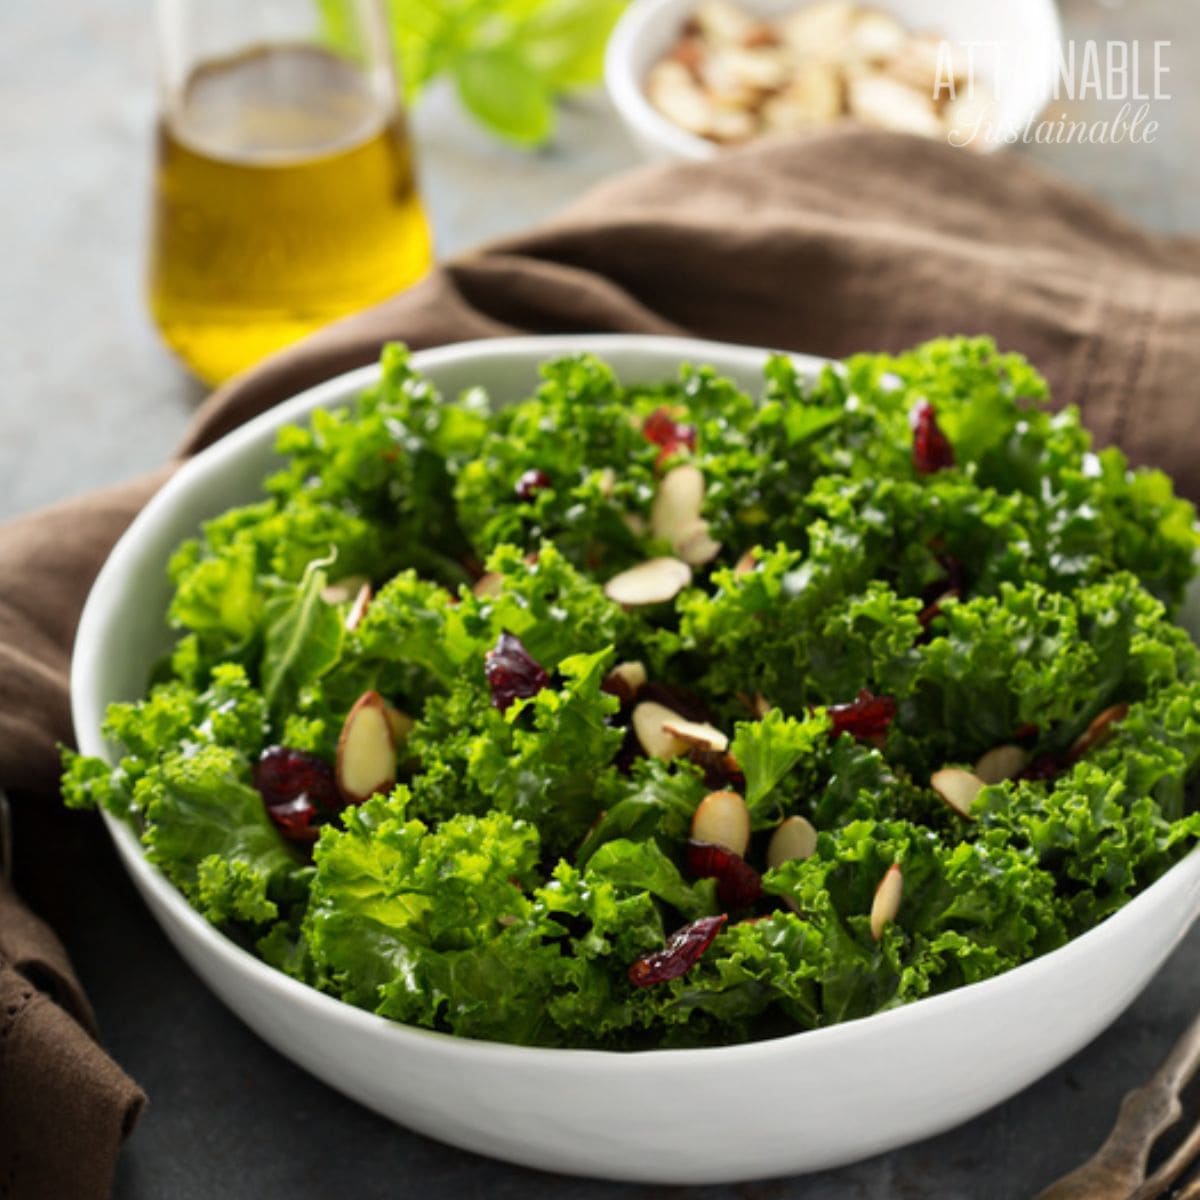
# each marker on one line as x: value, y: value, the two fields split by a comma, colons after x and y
x: 842, y: 242
x: 65, y: 1106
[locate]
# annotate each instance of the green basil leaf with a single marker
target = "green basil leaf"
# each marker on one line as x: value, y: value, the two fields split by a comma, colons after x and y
x: 504, y: 90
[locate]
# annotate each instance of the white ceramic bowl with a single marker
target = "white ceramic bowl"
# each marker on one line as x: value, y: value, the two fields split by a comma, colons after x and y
x: 1016, y: 55
x: 799, y: 1103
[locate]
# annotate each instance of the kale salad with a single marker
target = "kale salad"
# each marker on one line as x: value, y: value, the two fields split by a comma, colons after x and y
x: 656, y: 713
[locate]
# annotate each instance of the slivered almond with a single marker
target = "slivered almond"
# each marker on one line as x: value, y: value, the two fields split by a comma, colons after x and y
x: 675, y: 515
x: 366, y: 752
x: 488, y: 585
x: 342, y: 591
x: 358, y: 609
x: 756, y: 703
x: 675, y: 93
x: 928, y: 65
x: 731, y: 75
x: 794, y: 838
x: 696, y: 546
x: 400, y: 723
x: 814, y: 96
x: 697, y: 733
x: 958, y: 788
x: 722, y: 819
x: 723, y: 23
x: 678, y: 502
x: 887, y: 103
x: 747, y: 563
x: 736, y: 70
x: 625, y: 680
x: 761, y: 36
x: 689, y: 52
x: 886, y: 905
x: 732, y: 125
x: 1100, y: 730
x: 1001, y: 763
x: 649, y: 718
x: 653, y: 582
x: 820, y: 30
x: 876, y: 36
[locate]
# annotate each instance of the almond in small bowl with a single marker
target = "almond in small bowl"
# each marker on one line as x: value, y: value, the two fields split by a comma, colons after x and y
x: 691, y: 76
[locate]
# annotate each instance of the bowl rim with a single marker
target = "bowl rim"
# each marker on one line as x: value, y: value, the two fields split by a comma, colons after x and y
x: 86, y: 678
x: 626, y: 88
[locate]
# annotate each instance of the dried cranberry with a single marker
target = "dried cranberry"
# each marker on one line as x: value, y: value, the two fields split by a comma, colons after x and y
x: 721, y: 770
x: 954, y: 580
x: 663, y: 430
x: 512, y: 672
x: 297, y: 788
x: 294, y: 819
x: 933, y: 610
x: 532, y: 482
x: 1044, y: 766
x: 738, y: 883
x: 684, y: 701
x: 867, y: 717
x: 679, y: 955
x: 621, y: 684
x: 660, y: 426
x: 956, y: 573
x: 1098, y: 732
x: 931, y: 448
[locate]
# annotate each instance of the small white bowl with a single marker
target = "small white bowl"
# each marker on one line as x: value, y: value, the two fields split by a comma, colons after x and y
x: 799, y: 1103
x: 1016, y: 55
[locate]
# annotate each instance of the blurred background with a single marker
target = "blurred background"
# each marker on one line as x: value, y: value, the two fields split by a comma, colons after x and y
x: 91, y: 394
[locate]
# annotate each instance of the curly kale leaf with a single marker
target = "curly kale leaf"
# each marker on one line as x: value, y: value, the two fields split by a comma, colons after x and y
x: 432, y: 926
x: 546, y: 760
x: 798, y: 630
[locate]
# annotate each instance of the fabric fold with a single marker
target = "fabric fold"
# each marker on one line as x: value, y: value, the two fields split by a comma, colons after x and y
x: 30, y: 950
x: 48, y: 561
x: 65, y: 1106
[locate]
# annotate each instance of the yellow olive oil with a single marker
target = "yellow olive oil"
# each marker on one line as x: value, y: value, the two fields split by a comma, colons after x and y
x: 284, y: 198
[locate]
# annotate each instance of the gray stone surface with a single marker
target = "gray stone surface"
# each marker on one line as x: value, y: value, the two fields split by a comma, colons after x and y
x: 90, y: 396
